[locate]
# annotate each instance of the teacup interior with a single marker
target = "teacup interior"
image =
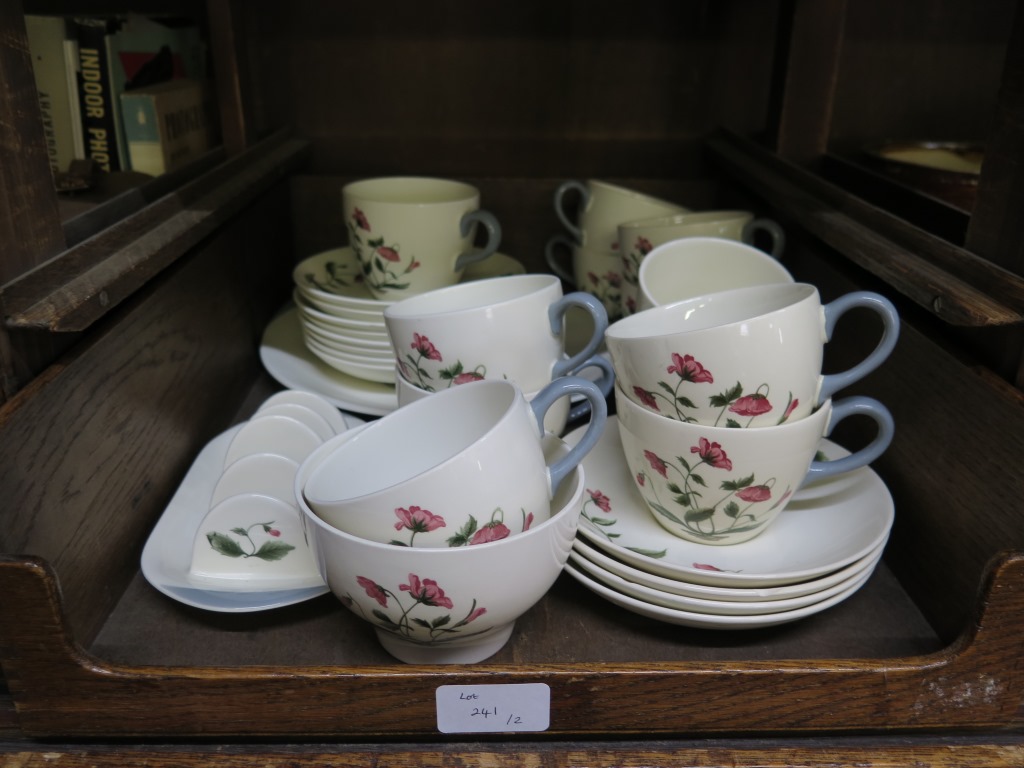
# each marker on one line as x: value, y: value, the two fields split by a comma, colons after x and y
x: 475, y: 295
x: 410, y: 441
x: 713, y: 310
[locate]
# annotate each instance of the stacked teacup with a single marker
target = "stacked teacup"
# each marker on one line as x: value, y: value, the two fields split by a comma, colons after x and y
x: 591, y: 237
x: 640, y: 237
x: 508, y: 328
x: 444, y: 521
x: 722, y: 403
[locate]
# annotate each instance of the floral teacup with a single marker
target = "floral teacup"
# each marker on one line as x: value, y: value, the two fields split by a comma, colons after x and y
x: 715, y: 485
x: 750, y: 357
x: 446, y: 606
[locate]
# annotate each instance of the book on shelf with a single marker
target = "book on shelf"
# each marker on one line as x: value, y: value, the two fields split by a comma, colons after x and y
x: 94, y: 93
x: 118, y: 53
x: 53, y: 49
x: 166, y: 125
x: 142, y: 52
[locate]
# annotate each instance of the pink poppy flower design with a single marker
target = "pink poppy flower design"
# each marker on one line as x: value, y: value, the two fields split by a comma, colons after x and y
x: 426, y: 591
x: 360, y: 219
x: 641, y: 479
x: 614, y: 279
x: 793, y: 404
x: 423, y: 345
x: 387, y: 253
x: 712, y: 453
x: 755, y: 493
x: 603, y: 502
x: 476, y: 614
x: 646, y: 397
x: 412, y: 265
x: 274, y: 532
x: 706, y: 567
x: 374, y: 590
x: 751, y: 405
x: 656, y: 463
x: 490, y: 532
x: 644, y: 245
x: 466, y: 378
x: 529, y: 522
x: 418, y: 520
x: 689, y: 369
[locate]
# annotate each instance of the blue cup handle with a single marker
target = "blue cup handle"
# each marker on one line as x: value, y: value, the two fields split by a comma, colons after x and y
x: 605, y: 383
x: 567, y: 386
x: 853, y: 406
x: 556, y: 316
x: 833, y: 382
x: 778, y: 237
x: 560, y: 193
x: 486, y: 220
x: 551, y: 251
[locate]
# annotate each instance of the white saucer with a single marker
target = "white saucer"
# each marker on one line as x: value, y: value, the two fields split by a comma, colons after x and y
x: 167, y: 556
x: 287, y: 359
x: 737, y: 594
x: 827, y: 526
x: 710, y: 621
x: 715, y: 607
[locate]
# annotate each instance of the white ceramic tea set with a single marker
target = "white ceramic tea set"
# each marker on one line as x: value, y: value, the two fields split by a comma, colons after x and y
x: 713, y: 497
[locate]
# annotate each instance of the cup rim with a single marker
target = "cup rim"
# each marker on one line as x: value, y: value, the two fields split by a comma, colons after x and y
x: 408, y: 308
x: 821, y: 413
x: 638, y: 325
x: 370, y: 190
x: 698, y: 217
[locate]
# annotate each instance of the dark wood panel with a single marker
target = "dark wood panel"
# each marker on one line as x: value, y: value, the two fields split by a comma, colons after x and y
x: 93, y: 448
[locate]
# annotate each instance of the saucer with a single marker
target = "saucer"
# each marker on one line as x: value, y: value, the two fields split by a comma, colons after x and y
x: 166, y: 557
x: 710, y: 621
x: 716, y: 607
x: 290, y: 362
x: 737, y: 594
x: 828, y: 525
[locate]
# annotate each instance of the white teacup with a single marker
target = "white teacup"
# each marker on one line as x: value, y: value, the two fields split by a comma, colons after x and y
x: 464, y: 464
x: 695, y: 266
x: 446, y: 606
x: 602, y: 207
x: 504, y: 328
x: 638, y: 238
x: 594, y: 270
x: 749, y: 357
x: 415, y: 234
x: 715, y: 485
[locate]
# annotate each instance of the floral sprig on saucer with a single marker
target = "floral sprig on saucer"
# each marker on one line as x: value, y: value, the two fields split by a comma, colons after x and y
x: 269, y: 550
x: 603, y: 525
x: 338, y: 276
x: 425, y: 593
x: 424, y: 350
x: 698, y: 517
x: 380, y: 261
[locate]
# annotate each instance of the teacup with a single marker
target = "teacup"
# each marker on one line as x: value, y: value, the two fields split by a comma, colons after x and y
x: 602, y: 207
x: 695, y: 266
x: 749, y: 357
x: 414, y: 234
x: 594, y: 270
x: 715, y: 485
x: 560, y: 412
x: 446, y: 606
x: 463, y: 465
x: 638, y: 238
x: 503, y: 328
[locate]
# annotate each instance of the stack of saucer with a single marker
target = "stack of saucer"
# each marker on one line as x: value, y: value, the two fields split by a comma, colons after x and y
x: 822, y: 548
x: 342, y: 324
